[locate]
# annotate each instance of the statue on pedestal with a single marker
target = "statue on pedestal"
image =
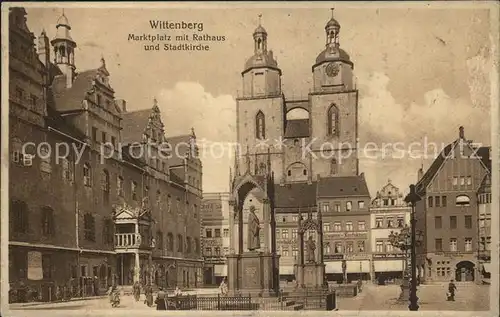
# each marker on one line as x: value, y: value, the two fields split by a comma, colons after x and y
x: 311, y: 246
x: 253, y: 235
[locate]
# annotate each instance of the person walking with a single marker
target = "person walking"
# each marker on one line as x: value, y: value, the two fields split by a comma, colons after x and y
x: 137, y: 291
x: 451, y: 291
x: 148, y: 291
x: 161, y: 300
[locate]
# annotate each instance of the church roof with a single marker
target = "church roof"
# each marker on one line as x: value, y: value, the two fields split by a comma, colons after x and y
x: 297, y: 128
x: 332, y: 23
x: 56, y: 121
x: 133, y: 125
x: 260, y: 29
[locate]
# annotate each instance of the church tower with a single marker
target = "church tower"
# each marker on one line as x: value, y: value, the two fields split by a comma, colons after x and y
x: 64, y: 49
x: 334, y: 109
x: 260, y: 110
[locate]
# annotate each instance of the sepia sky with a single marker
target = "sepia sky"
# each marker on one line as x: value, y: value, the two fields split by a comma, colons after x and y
x: 421, y: 72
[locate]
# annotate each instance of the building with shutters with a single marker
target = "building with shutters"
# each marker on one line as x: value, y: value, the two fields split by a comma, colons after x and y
x: 100, y: 210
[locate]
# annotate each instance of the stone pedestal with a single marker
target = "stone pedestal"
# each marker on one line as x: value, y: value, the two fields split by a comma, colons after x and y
x: 252, y: 273
x: 310, y: 275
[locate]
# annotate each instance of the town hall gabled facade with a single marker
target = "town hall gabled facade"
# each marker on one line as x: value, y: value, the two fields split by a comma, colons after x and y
x: 274, y: 168
x: 88, y: 219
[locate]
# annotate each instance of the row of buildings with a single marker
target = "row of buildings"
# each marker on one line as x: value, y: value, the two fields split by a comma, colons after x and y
x: 356, y: 225
x: 99, y: 207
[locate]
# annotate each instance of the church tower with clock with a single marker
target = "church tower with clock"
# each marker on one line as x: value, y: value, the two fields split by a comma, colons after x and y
x: 294, y: 156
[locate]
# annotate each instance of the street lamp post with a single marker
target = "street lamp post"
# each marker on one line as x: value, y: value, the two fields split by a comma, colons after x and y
x: 402, y: 241
x: 412, y: 198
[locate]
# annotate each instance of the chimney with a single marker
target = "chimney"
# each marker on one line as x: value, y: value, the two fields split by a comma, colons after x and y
x: 461, y: 133
x: 44, y: 49
x: 122, y: 104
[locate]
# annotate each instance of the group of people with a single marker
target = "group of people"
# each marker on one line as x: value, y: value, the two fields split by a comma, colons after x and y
x: 161, y: 297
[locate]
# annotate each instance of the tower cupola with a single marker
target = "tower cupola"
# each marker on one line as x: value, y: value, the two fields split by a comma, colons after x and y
x: 64, y: 49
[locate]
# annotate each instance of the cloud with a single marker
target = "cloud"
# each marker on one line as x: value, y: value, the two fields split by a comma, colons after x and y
x: 383, y: 120
x: 187, y: 105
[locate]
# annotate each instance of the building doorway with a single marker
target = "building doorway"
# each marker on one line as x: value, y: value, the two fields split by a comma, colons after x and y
x: 464, y: 271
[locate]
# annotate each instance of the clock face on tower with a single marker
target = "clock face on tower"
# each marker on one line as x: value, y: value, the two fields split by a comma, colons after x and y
x: 332, y: 69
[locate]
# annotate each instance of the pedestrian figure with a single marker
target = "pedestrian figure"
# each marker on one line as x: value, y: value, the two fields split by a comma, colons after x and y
x: 148, y: 291
x: 137, y: 291
x: 451, y: 291
x: 177, y: 291
x: 96, y: 286
x: 160, y: 300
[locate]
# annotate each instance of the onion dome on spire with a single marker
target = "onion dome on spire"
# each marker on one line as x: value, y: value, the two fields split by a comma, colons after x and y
x: 333, y: 52
x: 262, y: 57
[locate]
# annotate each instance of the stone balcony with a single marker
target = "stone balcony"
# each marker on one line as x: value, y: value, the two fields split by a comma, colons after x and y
x: 125, y: 241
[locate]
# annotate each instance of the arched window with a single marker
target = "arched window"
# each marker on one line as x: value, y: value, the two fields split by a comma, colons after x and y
x: 333, y: 167
x: 188, y: 245
x: 87, y: 176
x: 333, y: 120
x: 462, y: 200
x: 197, y: 245
x: 259, y: 44
x: 89, y: 227
x: 304, y: 172
x: 260, y: 126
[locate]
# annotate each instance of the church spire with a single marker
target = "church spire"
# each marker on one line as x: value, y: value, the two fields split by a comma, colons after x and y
x: 260, y: 38
x: 332, y: 29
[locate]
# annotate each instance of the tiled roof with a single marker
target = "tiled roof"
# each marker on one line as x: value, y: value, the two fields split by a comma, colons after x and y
x: 297, y: 128
x: 483, y: 153
x: 176, y: 178
x: 295, y: 195
x: 127, y: 157
x: 429, y: 174
x: 343, y: 186
x: 67, y: 99
x: 180, y: 147
x: 55, y: 121
x: 133, y: 125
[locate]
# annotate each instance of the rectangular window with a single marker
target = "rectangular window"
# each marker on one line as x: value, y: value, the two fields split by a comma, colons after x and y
x: 455, y: 181
x: 134, y: 190
x: 337, y: 226
x: 443, y: 201
x: 34, y: 100
x: 338, y: 247
x: 208, y: 233
x: 113, y: 141
x: 103, y: 135
x: 438, y: 222
x: 350, y: 247
x: 390, y: 222
x: 294, y: 233
x: 326, y: 227
x: 217, y: 233
x: 348, y: 226
x: 453, y: 244
x: 99, y: 99
x: 226, y: 233
x: 285, y: 252
x: 284, y: 234
x: 388, y: 247
x: 208, y: 251
x: 326, y: 207
x: 361, y: 225
x: 295, y: 252
x: 337, y: 207
x: 462, y: 181
x: 46, y: 266
x: 401, y: 222
x: 453, y: 222
x: 438, y: 201
x: 469, y: 180
x: 386, y: 202
x: 361, y: 204
x: 379, y: 222
x: 468, y: 222
x: 430, y: 201
x: 438, y: 245
x: 468, y: 244
x: 348, y: 205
